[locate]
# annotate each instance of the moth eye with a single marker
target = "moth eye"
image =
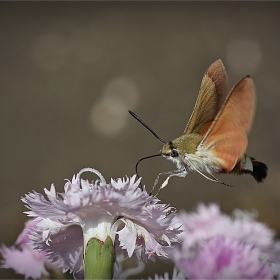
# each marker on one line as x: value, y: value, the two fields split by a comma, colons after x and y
x: 174, y: 153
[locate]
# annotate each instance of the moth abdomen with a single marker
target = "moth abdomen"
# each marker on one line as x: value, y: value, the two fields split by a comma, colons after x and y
x: 259, y: 171
x: 249, y: 165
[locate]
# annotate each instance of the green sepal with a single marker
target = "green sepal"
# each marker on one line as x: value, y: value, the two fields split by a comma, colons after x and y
x: 99, y: 259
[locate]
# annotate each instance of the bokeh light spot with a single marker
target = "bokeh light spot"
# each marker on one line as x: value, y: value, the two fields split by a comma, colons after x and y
x: 244, y: 55
x: 109, y: 115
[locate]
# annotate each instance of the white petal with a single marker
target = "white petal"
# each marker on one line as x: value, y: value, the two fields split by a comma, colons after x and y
x: 127, y: 237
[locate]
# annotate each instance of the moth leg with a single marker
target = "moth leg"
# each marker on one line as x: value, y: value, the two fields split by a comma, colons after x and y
x: 179, y: 172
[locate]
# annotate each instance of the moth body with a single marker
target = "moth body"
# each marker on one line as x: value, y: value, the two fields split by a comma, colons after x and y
x: 196, y: 157
x: 215, y: 138
x: 185, y: 152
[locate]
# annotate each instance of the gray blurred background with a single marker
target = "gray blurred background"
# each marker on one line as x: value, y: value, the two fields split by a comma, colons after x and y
x: 70, y: 71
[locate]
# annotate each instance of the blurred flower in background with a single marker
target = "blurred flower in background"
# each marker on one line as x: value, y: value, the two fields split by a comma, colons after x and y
x: 23, y: 259
x: 216, y: 246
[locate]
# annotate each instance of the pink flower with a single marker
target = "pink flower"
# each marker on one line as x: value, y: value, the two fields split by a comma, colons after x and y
x: 209, y: 222
x: 227, y: 258
x: 120, y: 209
x: 216, y: 246
x: 21, y: 258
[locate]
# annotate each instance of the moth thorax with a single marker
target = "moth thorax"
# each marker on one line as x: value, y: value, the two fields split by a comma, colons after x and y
x: 187, y: 144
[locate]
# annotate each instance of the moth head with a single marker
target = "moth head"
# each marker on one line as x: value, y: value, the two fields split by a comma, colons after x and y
x: 168, y: 150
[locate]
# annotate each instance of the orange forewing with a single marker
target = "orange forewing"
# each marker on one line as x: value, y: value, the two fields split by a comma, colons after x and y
x: 226, y: 139
x: 210, y: 98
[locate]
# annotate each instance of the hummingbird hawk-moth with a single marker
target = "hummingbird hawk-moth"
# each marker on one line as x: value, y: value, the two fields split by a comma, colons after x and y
x: 215, y: 138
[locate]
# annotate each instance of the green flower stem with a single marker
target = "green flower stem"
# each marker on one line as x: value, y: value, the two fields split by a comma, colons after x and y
x: 99, y: 259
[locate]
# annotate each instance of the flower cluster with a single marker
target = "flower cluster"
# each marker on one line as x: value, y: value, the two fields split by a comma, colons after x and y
x: 205, y: 244
x: 216, y: 246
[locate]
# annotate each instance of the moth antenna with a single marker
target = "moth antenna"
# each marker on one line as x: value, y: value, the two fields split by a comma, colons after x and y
x: 136, y: 166
x: 213, y: 179
x: 145, y: 125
